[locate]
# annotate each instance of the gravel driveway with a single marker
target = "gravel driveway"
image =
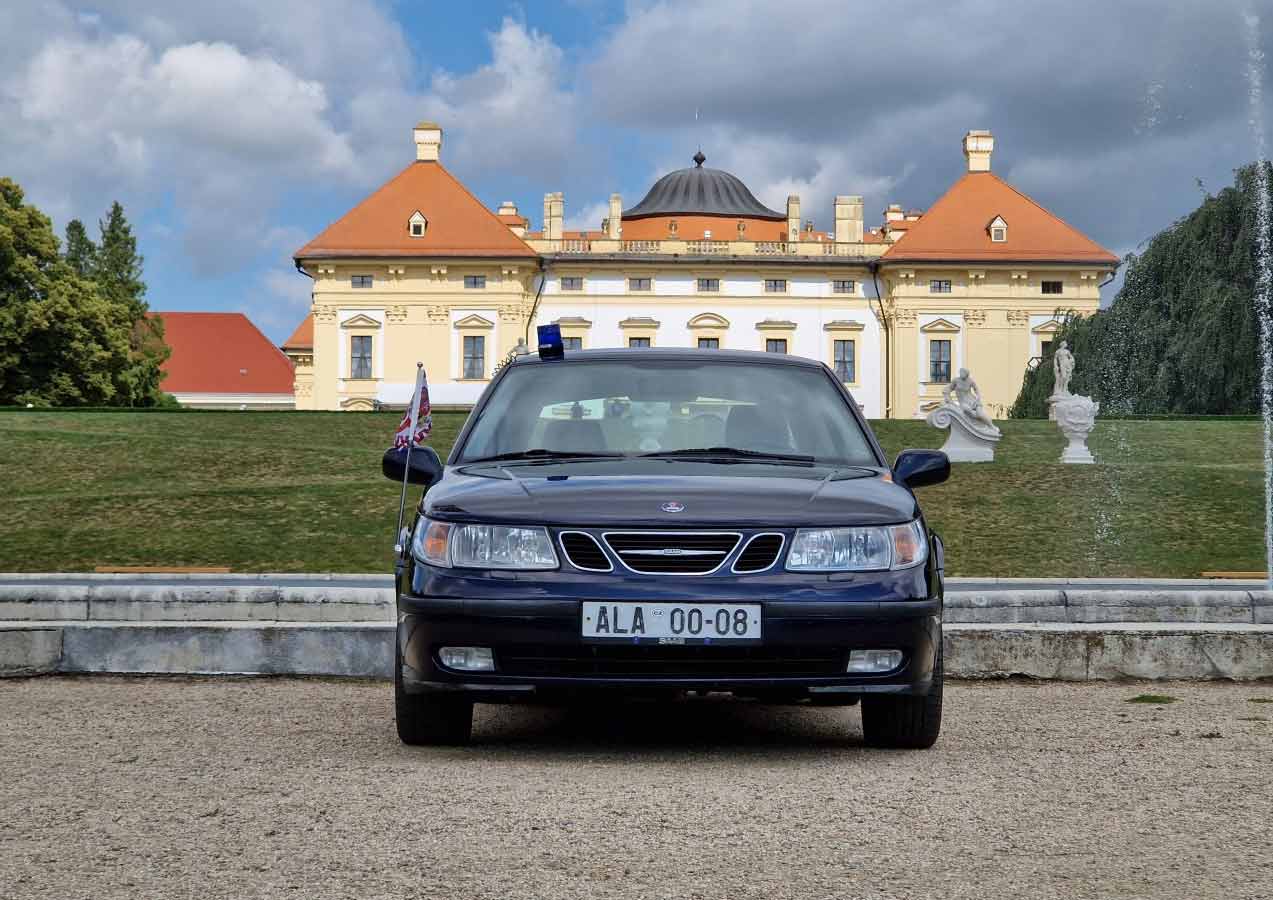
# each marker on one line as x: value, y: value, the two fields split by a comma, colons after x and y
x: 117, y: 787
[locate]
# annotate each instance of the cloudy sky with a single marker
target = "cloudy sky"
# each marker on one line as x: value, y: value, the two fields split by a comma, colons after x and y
x: 234, y: 131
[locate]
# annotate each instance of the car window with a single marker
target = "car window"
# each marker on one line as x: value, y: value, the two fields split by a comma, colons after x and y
x: 614, y: 406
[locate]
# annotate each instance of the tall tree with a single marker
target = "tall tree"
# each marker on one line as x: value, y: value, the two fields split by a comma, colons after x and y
x: 118, y: 272
x: 119, y: 265
x: 1181, y: 336
x: 81, y: 252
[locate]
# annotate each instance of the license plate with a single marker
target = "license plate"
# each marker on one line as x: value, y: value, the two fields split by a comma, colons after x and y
x: 672, y: 623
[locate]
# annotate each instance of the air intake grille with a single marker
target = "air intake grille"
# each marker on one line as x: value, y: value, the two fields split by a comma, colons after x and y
x: 584, y: 552
x: 623, y: 660
x: 673, y: 552
x: 760, y: 553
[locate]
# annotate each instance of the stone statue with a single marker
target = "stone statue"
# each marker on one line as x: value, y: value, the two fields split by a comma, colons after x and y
x: 1074, y: 415
x: 1062, y: 369
x: 973, y: 434
x: 968, y: 398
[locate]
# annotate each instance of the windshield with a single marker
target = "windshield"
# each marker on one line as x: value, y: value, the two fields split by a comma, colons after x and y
x: 659, y: 407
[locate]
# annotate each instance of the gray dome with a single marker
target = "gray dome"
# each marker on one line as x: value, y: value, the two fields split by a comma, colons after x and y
x: 702, y: 192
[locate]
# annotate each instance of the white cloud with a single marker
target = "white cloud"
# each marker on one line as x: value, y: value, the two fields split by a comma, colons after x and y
x: 515, y: 112
x: 587, y: 217
x: 218, y: 110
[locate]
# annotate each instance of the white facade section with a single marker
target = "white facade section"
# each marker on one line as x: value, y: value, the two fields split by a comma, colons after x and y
x: 809, y: 338
x: 674, y: 285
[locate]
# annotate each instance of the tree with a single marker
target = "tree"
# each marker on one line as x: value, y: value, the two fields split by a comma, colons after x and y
x: 118, y: 272
x: 61, y: 341
x: 1182, y: 334
x: 81, y: 252
x: 64, y: 340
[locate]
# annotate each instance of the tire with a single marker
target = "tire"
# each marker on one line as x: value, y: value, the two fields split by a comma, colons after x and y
x: 429, y: 719
x: 905, y: 722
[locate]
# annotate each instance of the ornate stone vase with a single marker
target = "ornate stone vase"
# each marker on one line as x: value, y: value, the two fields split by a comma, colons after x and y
x: 1076, y: 417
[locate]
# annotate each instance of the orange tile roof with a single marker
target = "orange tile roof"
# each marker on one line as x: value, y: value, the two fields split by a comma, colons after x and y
x: 303, y: 337
x: 510, y: 219
x: 954, y: 229
x: 458, y: 224
x: 221, y: 353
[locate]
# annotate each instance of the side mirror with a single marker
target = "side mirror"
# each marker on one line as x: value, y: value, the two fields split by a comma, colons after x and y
x: 917, y: 468
x: 426, y: 468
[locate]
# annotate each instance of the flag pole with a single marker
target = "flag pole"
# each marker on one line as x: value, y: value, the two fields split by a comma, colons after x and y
x: 399, y: 544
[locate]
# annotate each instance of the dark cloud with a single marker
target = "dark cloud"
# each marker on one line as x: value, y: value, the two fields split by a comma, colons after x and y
x: 1107, y: 113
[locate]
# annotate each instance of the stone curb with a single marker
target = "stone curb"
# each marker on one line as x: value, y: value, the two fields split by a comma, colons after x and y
x: 1060, y: 651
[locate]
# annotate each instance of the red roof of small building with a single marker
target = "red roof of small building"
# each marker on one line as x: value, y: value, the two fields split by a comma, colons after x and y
x: 221, y: 353
x: 457, y: 224
x: 303, y: 337
x: 956, y: 229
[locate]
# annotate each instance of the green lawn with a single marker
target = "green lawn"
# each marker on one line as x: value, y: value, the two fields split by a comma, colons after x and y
x: 303, y: 492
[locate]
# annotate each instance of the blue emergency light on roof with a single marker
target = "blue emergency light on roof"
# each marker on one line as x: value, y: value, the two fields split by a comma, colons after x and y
x: 550, y: 346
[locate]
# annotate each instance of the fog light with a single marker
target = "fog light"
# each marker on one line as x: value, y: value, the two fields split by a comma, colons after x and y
x: 874, y: 661
x: 470, y: 659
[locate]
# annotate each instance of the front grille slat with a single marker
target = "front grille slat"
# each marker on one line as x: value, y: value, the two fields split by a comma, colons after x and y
x: 583, y: 552
x: 760, y: 553
x: 672, y: 552
x: 669, y: 661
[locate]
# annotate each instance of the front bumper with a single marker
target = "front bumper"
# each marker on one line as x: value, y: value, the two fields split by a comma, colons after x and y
x: 539, y: 651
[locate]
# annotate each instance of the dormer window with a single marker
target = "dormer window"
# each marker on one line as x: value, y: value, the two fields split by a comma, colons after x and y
x: 417, y: 224
x: 998, y: 230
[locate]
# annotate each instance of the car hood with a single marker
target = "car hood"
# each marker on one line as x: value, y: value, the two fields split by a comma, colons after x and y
x: 632, y: 493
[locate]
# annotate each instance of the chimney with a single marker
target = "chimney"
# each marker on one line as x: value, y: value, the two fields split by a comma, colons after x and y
x: 615, y: 220
x: 894, y: 213
x: 509, y: 208
x: 793, y: 217
x: 978, y: 145
x: 554, y: 213
x: 428, y: 141
x: 848, y: 219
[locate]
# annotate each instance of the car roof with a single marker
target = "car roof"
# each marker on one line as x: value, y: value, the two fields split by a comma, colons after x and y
x: 628, y: 354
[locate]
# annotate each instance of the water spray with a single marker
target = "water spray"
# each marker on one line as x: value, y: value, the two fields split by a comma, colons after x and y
x: 1263, y: 269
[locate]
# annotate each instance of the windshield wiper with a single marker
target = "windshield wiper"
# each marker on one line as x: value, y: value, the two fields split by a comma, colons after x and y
x: 730, y: 451
x: 542, y: 453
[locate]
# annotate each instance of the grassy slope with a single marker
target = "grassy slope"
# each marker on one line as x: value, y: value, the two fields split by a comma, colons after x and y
x: 303, y: 492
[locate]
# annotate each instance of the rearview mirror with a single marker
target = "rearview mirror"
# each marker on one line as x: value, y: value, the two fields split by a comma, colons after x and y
x: 426, y: 467
x: 917, y: 468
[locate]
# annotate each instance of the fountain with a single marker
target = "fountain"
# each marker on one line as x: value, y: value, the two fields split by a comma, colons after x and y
x: 1264, y: 268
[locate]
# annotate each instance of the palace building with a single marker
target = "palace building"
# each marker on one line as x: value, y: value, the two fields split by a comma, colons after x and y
x: 421, y: 270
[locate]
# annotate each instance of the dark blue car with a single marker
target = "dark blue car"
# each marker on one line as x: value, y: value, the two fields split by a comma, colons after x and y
x: 666, y: 522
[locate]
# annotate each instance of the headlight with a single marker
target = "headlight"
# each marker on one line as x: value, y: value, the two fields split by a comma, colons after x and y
x: 869, y: 549
x: 483, y: 546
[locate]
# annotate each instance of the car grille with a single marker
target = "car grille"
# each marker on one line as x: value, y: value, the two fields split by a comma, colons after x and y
x: 669, y: 661
x: 672, y: 552
x: 583, y: 552
x: 760, y: 553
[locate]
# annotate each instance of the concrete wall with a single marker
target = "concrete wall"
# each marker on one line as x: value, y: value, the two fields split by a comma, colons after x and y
x: 239, y: 627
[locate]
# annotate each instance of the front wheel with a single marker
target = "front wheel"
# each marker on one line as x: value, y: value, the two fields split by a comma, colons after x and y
x: 907, y: 722
x: 429, y: 719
